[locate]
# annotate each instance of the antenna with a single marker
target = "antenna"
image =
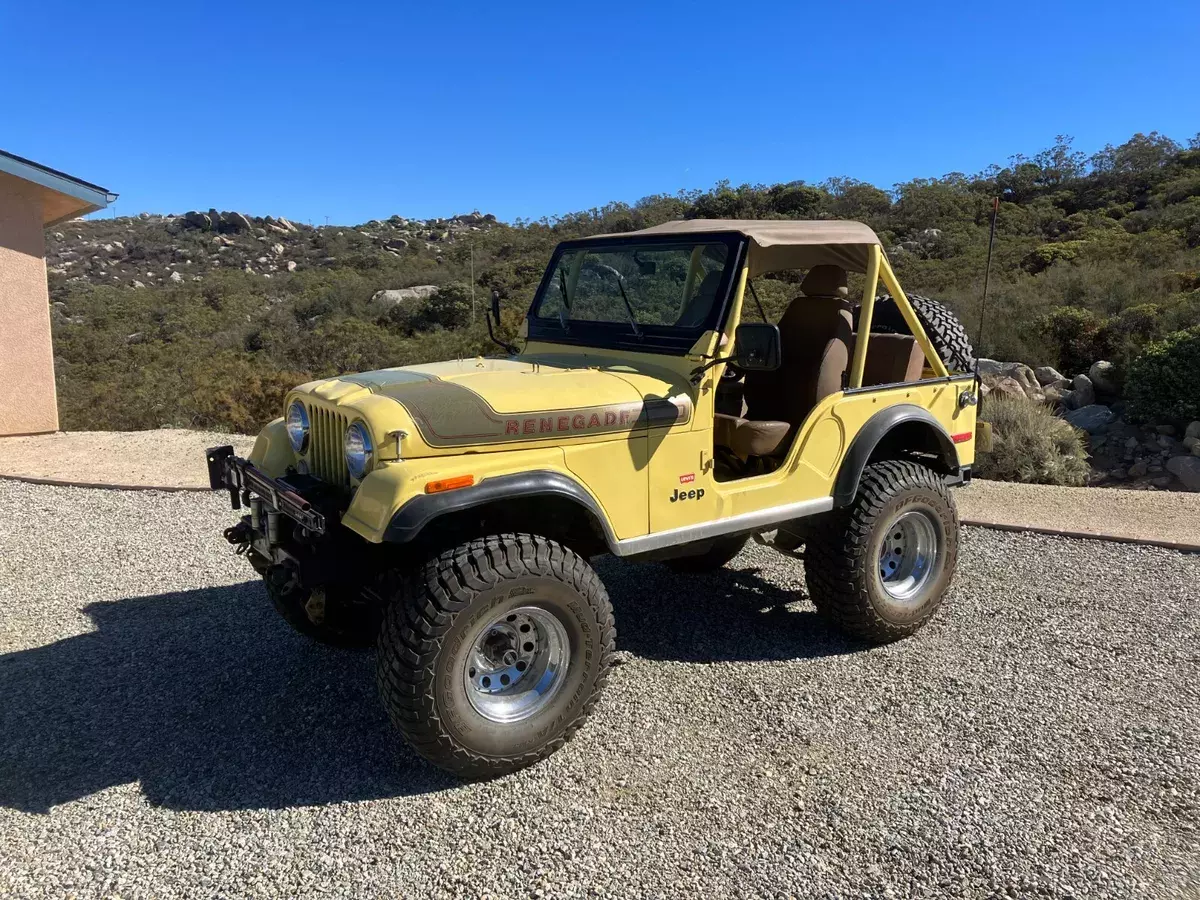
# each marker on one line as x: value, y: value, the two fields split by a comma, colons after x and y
x: 987, y: 276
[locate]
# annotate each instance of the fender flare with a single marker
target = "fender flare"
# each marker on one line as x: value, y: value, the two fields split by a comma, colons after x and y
x: 875, y: 430
x: 411, y: 519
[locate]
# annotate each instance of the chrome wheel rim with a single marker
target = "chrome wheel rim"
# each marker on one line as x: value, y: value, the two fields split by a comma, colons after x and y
x: 908, y: 556
x: 517, y: 664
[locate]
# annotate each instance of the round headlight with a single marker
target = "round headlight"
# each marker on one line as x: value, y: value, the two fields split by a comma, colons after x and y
x: 358, y: 450
x: 297, y: 426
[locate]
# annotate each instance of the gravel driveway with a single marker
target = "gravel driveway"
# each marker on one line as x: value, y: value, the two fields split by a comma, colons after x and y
x: 163, y: 733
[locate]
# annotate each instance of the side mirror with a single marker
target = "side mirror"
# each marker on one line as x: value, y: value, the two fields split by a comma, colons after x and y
x: 496, y: 307
x: 758, y: 347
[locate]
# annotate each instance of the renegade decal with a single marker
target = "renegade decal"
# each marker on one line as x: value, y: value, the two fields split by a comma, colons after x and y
x: 450, y: 415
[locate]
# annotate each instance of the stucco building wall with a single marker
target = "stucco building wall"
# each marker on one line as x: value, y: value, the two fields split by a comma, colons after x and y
x: 28, y: 404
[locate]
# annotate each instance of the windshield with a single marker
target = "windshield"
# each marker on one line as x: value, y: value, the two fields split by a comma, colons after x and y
x: 641, y: 288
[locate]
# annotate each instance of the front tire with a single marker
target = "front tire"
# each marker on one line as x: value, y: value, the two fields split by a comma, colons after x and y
x: 879, y: 568
x: 493, y: 653
x: 337, y: 615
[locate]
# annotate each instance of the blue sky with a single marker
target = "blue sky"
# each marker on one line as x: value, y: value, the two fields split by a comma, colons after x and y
x: 360, y: 110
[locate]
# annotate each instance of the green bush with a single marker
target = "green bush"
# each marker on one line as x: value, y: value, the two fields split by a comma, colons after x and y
x: 1163, y: 384
x: 1048, y: 254
x: 1079, y: 337
x: 1030, y: 444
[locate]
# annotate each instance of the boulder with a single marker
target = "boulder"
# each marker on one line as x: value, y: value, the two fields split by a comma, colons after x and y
x: 1002, y: 384
x: 291, y: 265
x: 417, y: 294
x: 1083, y: 392
x: 1093, y: 418
x: 1139, y: 468
x: 236, y: 223
x: 176, y: 277
x: 1050, y: 375
x: 1187, y: 470
x: 1193, y: 430
x: 1103, y: 376
x: 196, y: 219
x: 396, y: 244
x: 1019, y: 372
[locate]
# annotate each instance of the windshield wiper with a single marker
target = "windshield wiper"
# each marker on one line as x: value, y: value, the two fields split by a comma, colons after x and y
x: 637, y: 332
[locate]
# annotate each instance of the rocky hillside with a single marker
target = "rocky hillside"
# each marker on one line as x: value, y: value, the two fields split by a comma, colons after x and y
x: 153, y: 250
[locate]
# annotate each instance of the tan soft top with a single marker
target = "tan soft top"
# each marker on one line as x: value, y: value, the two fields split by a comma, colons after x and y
x: 778, y: 244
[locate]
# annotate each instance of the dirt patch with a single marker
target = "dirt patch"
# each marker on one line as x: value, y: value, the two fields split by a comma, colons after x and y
x: 1136, y: 514
x: 168, y: 457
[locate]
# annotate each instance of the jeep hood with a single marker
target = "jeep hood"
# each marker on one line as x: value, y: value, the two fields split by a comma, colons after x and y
x: 485, y: 403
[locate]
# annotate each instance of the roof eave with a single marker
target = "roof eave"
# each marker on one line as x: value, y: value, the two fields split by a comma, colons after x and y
x: 91, y: 197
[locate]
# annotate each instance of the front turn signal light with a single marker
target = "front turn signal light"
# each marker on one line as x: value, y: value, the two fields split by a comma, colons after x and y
x: 449, y: 484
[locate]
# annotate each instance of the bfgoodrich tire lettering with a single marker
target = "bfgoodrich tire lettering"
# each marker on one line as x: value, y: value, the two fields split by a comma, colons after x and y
x: 433, y: 622
x: 843, y: 556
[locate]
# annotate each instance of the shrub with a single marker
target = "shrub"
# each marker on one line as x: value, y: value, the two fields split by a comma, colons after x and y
x: 1163, y: 384
x: 1047, y: 255
x: 1030, y: 444
x: 1079, y: 337
x: 450, y: 307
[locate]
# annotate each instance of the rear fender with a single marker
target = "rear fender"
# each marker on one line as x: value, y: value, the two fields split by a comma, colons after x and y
x: 904, y: 427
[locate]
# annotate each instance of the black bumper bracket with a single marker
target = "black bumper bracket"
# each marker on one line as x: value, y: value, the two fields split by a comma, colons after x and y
x: 242, y: 478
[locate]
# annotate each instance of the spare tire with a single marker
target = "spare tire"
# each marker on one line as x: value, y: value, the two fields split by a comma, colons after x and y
x: 948, y: 335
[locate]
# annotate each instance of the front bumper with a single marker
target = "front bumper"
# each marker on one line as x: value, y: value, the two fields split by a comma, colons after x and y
x: 249, y: 486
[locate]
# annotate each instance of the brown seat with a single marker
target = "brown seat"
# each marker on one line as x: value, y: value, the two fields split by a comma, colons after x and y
x: 892, y: 359
x: 815, y: 333
x: 748, y: 438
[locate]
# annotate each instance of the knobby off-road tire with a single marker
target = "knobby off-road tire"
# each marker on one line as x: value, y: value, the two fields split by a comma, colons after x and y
x: 900, y: 534
x: 453, y: 622
x: 947, y: 334
x: 715, y: 557
x: 348, y: 620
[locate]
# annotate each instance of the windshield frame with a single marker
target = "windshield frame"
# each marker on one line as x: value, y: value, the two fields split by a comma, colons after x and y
x: 675, y: 340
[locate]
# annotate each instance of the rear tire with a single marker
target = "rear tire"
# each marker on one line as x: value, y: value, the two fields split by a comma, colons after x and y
x: 715, y: 557
x: 493, y: 653
x: 878, y: 569
x: 943, y: 328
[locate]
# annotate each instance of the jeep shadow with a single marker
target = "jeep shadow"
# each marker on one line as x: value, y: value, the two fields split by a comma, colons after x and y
x: 211, y: 703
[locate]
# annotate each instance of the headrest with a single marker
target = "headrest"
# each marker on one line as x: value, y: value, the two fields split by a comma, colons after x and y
x: 825, y: 281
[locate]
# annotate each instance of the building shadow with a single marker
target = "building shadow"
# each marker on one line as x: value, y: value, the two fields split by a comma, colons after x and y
x: 208, y: 700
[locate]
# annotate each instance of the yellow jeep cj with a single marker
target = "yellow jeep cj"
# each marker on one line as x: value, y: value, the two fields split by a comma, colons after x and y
x: 447, y: 512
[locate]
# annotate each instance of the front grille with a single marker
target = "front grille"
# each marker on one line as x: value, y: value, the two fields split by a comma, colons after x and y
x: 326, y: 458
